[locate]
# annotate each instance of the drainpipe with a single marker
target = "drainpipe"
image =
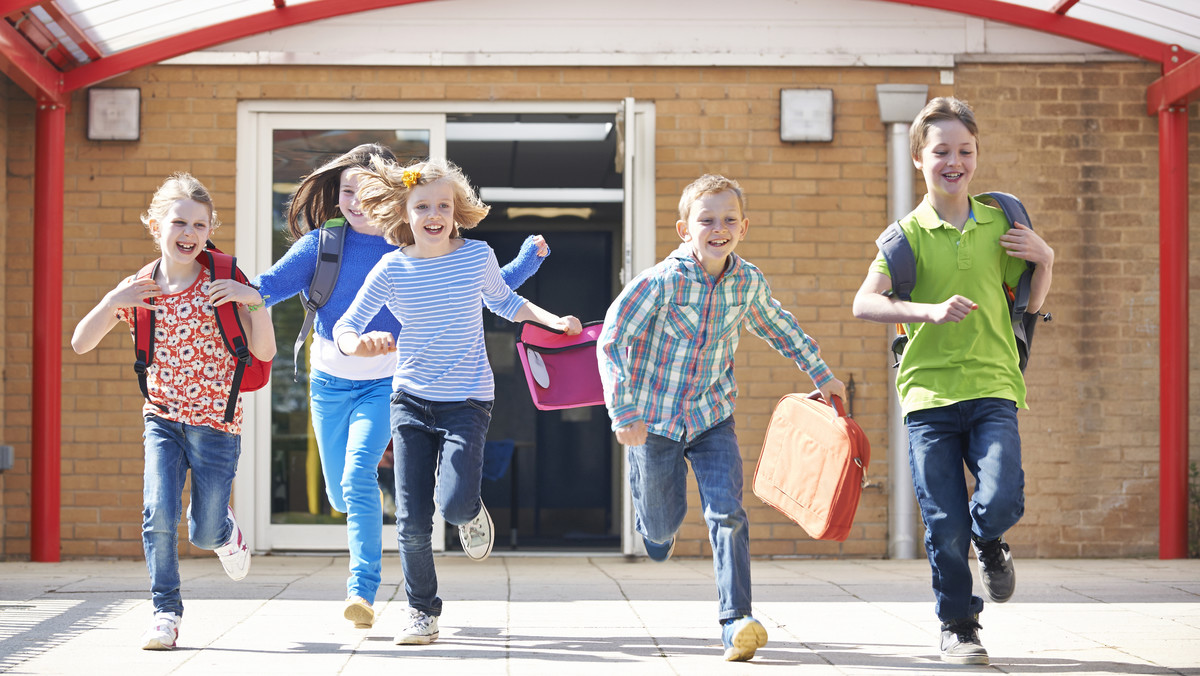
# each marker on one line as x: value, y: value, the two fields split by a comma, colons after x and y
x: 46, y: 436
x: 898, y: 105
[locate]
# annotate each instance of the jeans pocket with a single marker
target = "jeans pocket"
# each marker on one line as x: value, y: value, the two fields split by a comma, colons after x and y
x: 482, y: 406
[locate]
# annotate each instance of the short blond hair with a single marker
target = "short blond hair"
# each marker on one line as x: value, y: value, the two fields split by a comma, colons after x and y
x: 709, y: 184
x: 383, y: 194
x: 179, y: 186
x: 940, y: 109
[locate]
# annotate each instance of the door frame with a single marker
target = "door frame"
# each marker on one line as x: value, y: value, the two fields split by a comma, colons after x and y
x: 254, y: 119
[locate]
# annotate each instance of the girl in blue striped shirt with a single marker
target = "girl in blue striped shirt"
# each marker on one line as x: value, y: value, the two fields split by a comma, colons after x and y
x: 442, y: 390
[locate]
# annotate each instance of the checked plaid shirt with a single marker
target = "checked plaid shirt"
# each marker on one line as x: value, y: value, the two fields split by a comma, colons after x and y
x: 666, y: 350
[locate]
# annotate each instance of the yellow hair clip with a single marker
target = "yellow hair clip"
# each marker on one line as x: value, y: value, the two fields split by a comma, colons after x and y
x: 410, y: 177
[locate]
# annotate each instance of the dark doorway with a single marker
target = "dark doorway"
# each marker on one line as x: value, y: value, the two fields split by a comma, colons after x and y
x: 557, y: 490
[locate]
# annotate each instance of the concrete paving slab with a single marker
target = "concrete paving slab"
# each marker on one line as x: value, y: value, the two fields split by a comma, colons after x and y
x: 583, y: 615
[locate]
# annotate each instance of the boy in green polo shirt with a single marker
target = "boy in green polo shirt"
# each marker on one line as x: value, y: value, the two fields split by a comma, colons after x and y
x: 959, y: 380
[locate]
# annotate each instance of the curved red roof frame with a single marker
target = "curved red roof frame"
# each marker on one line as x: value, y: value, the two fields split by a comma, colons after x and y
x: 1167, y: 98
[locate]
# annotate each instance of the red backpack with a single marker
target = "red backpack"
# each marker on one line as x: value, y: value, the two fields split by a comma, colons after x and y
x: 251, y: 374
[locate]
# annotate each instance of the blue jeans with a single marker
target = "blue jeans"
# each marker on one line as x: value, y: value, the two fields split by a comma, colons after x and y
x: 172, y: 448
x: 982, y: 434
x: 350, y: 418
x: 439, y: 458
x: 658, y: 481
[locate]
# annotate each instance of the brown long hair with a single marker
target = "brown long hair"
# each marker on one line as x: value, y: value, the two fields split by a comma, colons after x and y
x: 316, y: 199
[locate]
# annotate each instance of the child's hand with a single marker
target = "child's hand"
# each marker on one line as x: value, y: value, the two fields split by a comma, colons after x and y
x: 223, y: 291
x: 1022, y: 242
x: 569, y: 325
x: 833, y: 388
x: 953, y: 310
x: 134, y: 292
x: 373, y: 344
x: 543, y: 249
x: 633, y: 434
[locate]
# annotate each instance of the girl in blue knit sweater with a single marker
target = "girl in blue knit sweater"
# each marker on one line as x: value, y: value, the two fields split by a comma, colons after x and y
x: 350, y: 395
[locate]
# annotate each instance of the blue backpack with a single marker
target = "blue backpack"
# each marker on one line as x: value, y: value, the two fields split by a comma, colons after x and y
x: 902, y: 265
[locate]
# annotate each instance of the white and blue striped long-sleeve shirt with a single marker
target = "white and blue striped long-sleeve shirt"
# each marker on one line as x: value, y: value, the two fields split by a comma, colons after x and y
x: 439, y: 302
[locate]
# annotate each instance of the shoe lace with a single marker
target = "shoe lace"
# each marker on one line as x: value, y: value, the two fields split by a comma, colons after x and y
x: 992, y: 553
x: 419, y: 621
x: 965, y: 631
x: 474, y: 532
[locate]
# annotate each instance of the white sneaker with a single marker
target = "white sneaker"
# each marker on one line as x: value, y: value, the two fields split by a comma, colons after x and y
x: 478, y: 535
x: 235, y: 555
x: 163, y: 632
x: 422, y: 628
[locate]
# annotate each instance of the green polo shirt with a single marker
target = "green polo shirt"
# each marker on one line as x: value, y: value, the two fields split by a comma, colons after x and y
x: 977, y: 357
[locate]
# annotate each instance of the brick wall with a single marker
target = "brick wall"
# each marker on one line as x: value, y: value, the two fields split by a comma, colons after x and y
x: 1083, y: 161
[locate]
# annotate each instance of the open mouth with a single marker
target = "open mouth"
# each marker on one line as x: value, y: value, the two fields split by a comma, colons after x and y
x: 953, y: 176
x: 185, y: 248
x: 718, y: 242
x: 435, y: 229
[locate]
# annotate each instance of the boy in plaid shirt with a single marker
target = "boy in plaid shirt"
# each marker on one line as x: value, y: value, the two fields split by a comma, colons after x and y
x: 666, y: 360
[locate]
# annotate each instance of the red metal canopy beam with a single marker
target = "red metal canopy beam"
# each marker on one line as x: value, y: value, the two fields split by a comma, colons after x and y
x: 1177, y: 87
x: 1049, y: 22
x: 9, y: 6
x: 28, y: 69
x: 202, y: 38
x: 73, y: 32
x: 1063, y: 7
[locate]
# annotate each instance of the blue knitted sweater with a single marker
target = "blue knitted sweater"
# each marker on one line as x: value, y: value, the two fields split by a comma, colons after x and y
x: 292, y: 274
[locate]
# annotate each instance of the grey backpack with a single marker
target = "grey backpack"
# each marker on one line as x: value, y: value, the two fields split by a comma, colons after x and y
x: 325, y: 275
x: 902, y: 265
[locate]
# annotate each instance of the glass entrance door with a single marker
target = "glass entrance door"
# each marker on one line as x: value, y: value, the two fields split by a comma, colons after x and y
x: 292, y: 146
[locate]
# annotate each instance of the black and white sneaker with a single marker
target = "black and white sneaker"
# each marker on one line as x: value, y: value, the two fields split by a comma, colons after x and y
x: 996, y: 569
x: 960, y: 643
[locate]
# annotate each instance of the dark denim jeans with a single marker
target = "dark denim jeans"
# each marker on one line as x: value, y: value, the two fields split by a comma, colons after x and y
x: 439, y: 459
x: 658, y: 482
x: 172, y: 448
x: 982, y: 435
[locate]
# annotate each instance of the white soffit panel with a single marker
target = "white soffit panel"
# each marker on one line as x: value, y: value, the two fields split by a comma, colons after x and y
x: 634, y: 32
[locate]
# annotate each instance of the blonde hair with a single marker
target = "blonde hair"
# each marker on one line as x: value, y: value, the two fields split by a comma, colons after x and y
x: 940, y: 109
x: 179, y: 186
x: 383, y: 192
x: 316, y: 198
x: 709, y: 184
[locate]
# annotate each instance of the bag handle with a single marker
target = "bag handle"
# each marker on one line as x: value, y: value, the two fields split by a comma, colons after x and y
x: 815, y: 395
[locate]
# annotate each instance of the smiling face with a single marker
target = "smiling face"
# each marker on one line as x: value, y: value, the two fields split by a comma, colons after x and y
x: 348, y: 200
x: 429, y: 211
x: 947, y: 161
x: 182, y: 232
x: 714, y: 227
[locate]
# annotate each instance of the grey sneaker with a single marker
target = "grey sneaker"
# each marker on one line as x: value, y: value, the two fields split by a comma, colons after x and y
x: 422, y: 628
x: 960, y: 643
x: 478, y: 535
x: 996, y: 569
x: 163, y: 632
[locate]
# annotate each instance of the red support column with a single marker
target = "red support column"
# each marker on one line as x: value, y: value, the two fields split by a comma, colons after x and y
x: 1173, y: 340
x: 47, y: 331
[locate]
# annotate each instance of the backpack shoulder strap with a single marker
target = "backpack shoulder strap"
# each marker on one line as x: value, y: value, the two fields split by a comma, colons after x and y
x: 332, y: 239
x: 1015, y: 212
x: 901, y: 262
x: 229, y: 322
x: 143, y: 334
